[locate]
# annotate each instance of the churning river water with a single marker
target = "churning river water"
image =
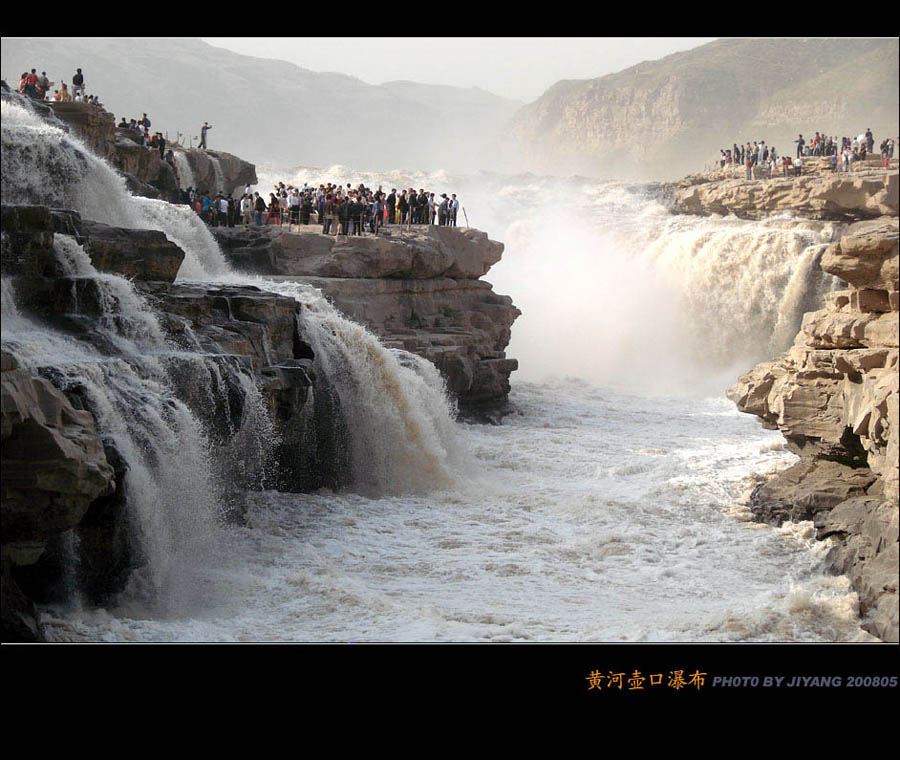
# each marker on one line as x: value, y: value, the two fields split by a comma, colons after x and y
x: 610, y: 505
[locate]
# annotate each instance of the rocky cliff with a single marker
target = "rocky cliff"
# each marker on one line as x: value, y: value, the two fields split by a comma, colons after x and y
x: 146, y: 171
x: 419, y: 291
x: 660, y: 119
x: 834, y: 393
x: 868, y: 192
x: 112, y: 366
x: 62, y: 476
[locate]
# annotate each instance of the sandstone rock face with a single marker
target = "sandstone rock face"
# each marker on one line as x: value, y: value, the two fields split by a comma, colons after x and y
x: 54, y: 467
x: 136, y: 254
x: 146, y: 166
x: 665, y: 117
x: 93, y: 125
x: 461, y: 326
x: 418, y: 291
x: 217, y: 171
x: 834, y: 395
x: 147, y: 173
x: 819, y: 194
x: 53, y: 460
x: 425, y: 252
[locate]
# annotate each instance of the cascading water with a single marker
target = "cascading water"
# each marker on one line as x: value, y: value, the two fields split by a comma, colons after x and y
x: 185, y: 173
x: 137, y: 384
x: 219, y: 174
x: 123, y: 370
x: 615, y: 289
x: 44, y: 165
x: 172, y: 499
x: 401, y: 435
x: 591, y: 514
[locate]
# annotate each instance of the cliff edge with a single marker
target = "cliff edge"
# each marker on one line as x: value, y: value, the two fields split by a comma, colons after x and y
x: 419, y: 291
x: 834, y: 393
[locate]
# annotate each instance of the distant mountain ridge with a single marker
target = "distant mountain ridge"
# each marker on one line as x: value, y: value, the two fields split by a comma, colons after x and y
x: 273, y: 111
x: 663, y: 119
x: 657, y: 120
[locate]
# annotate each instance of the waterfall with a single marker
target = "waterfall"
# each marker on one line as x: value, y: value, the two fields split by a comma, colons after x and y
x: 220, y: 176
x: 172, y: 499
x: 398, y: 414
x: 614, y: 288
x: 124, y: 318
x: 43, y: 165
x: 169, y: 412
x: 185, y: 173
x: 740, y: 288
x: 8, y: 299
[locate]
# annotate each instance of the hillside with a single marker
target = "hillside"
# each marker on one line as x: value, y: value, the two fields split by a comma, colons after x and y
x: 664, y: 118
x: 273, y: 111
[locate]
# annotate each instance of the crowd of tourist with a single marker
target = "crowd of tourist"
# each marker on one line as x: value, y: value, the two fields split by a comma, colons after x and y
x: 38, y: 88
x: 340, y: 210
x: 843, y: 153
x: 139, y: 131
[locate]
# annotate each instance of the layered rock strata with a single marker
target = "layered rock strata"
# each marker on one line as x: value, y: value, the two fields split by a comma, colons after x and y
x: 419, y: 291
x: 868, y: 192
x: 61, y: 478
x: 834, y: 396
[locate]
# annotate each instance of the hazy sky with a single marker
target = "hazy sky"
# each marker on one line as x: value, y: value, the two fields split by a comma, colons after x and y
x: 521, y: 68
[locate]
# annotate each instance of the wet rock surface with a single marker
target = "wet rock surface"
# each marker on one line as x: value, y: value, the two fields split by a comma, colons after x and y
x: 420, y: 291
x: 834, y: 396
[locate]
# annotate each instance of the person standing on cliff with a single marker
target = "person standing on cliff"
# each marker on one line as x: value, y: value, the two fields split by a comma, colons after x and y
x: 294, y: 206
x: 377, y: 214
x: 402, y: 207
x: 800, y: 143
x: 454, y: 207
x: 78, y: 82
x: 391, y: 203
x: 328, y: 215
x: 259, y: 207
x: 31, y: 83
x: 203, y: 130
x: 413, y: 204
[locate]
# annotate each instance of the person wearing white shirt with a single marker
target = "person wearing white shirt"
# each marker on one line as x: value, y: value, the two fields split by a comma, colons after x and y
x: 453, y: 208
x: 294, y: 204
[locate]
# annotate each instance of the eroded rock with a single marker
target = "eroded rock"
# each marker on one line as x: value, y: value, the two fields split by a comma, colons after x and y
x: 834, y: 395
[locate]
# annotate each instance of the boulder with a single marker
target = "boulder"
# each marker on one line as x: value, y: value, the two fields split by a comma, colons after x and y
x: 54, y: 465
x: 136, y: 254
